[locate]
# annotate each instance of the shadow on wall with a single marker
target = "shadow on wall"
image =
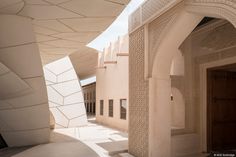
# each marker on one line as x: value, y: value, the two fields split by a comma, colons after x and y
x: 65, y: 96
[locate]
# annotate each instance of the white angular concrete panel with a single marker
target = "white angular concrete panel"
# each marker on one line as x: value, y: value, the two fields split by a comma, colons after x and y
x: 67, y: 88
x: 24, y: 111
x: 99, y: 8
x: 37, y: 95
x: 67, y: 76
x: 64, y: 27
x: 11, y: 84
x: 65, y: 95
x: 7, y: 33
x: 10, y: 57
x: 27, y: 137
x: 88, y: 24
x: 81, y: 119
x: 11, y: 6
x: 53, y: 24
x: 54, y: 96
x: 73, y: 98
x: 58, y: 67
x: 46, y: 12
x: 83, y: 37
x: 3, y: 69
x: 6, y: 3
x: 73, y: 111
x: 13, y: 116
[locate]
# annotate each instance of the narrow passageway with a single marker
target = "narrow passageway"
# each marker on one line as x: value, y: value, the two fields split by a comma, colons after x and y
x: 93, y: 140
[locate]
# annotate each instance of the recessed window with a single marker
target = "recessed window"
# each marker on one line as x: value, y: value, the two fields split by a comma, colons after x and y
x: 101, y: 107
x: 94, y: 106
x: 111, y: 108
x: 123, y: 108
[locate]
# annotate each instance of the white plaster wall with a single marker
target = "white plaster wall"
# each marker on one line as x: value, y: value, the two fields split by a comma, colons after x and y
x: 177, y: 109
x: 112, y: 83
x: 66, y: 101
x: 24, y: 112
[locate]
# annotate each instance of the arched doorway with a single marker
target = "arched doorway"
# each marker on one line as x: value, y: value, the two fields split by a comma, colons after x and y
x: 160, y: 83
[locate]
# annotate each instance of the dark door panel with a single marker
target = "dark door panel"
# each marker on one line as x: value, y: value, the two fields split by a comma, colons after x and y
x: 221, y: 110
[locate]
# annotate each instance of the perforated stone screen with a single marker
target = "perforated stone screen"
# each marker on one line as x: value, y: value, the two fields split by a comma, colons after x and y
x: 138, y: 95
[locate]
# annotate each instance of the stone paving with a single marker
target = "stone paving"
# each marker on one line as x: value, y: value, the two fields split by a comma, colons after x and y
x: 93, y: 140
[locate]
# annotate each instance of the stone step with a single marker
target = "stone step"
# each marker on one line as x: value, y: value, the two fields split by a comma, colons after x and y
x: 115, y: 147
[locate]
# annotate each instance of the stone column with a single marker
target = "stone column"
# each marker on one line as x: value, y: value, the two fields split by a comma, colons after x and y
x: 159, y: 117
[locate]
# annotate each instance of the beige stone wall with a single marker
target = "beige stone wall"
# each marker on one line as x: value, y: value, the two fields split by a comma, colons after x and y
x: 112, y: 83
x: 138, y: 95
x: 212, y: 43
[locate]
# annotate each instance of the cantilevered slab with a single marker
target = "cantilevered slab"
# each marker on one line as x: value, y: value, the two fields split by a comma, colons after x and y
x: 63, y: 27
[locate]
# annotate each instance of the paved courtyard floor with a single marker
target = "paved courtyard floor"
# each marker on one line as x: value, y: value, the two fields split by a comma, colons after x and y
x: 93, y: 140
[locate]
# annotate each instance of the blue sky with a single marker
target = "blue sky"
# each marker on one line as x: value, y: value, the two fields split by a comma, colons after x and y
x: 118, y: 28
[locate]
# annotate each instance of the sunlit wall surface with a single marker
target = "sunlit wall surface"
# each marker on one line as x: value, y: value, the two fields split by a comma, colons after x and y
x: 24, y: 113
x: 65, y: 96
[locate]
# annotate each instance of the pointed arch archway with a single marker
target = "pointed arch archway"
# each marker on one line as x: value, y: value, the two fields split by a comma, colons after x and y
x: 186, y: 16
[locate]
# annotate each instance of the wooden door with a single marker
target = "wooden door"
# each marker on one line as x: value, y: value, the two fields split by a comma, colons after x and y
x: 221, y: 110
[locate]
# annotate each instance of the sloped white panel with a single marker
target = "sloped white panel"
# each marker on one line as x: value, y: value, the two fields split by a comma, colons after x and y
x: 10, y: 57
x: 74, y: 98
x: 82, y: 120
x: 52, y: 104
x: 52, y: 24
x: 64, y: 43
x: 65, y: 96
x: 79, y: 36
x: 26, y: 137
x: 73, y: 111
x: 60, y: 118
x: 67, y: 88
x: 7, y: 34
x: 99, y: 8
x: 24, y: 111
x: 11, y: 84
x: 57, y: 1
x: 13, y: 116
x: 3, y: 69
x: 37, y: 96
x: 6, y: 3
x: 36, y: 2
x: 66, y: 26
x: 41, y: 38
x: 50, y: 76
x: 67, y: 76
x: 46, y: 12
x: 44, y: 31
x: 59, y: 66
x: 54, y: 96
x: 12, y: 9
x: 88, y: 24
x: 4, y: 105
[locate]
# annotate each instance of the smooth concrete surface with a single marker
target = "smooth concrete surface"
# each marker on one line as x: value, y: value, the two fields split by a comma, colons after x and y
x: 24, y: 112
x: 65, y: 95
x: 64, y: 27
x: 69, y: 149
x: 80, y: 142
